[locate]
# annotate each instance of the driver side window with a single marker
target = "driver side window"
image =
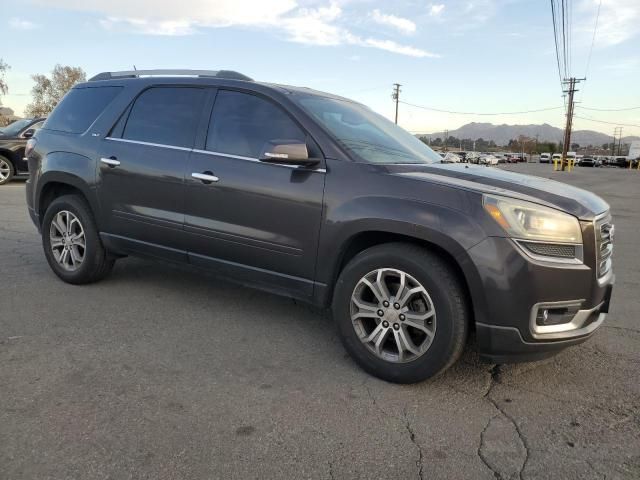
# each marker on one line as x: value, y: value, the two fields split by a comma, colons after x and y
x: 241, y: 124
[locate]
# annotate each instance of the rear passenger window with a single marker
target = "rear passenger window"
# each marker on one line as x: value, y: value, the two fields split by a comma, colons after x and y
x: 79, y: 108
x: 241, y: 124
x: 165, y: 115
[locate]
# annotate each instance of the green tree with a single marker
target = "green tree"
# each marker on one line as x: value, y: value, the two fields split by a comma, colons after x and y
x: 47, y: 92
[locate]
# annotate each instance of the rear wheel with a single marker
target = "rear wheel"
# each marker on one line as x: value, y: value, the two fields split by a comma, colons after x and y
x: 6, y: 170
x: 71, y: 242
x: 401, y: 312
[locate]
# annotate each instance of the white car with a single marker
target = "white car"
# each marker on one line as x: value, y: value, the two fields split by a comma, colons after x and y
x: 488, y: 160
x: 545, y: 157
x: 451, y: 158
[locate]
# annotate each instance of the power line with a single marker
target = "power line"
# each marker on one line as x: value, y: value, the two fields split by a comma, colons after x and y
x: 609, y: 123
x: 609, y: 109
x: 555, y: 39
x: 593, y: 41
x: 478, y: 113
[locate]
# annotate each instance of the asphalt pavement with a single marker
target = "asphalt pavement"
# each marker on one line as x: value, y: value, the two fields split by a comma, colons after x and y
x: 163, y: 372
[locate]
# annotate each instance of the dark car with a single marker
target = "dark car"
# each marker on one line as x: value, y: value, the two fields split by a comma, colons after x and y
x: 317, y: 197
x: 13, y: 139
x: 588, y: 162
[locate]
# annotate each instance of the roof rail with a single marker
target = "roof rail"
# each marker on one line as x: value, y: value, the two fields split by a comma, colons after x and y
x: 230, y: 74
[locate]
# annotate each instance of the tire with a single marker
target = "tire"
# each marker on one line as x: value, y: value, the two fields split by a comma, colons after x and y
x: 449, y: 309
x: 7, y: 170
x: 95, y: 261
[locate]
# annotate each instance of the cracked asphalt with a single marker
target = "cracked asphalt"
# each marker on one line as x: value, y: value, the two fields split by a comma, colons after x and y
x: 162, y: 372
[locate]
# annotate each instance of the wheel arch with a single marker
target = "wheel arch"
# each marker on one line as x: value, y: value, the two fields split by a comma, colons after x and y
x: 458, y: 260
x: 9, y: 155
x: 55, y: 184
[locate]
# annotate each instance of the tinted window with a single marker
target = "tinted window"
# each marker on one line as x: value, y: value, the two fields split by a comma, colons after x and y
x: 165, y: 115
x: 369, y: 136
x: 79, y: 108
x: 241, y: 124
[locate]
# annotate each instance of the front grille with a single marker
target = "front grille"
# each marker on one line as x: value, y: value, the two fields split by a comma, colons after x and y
x: 604, y: 245
x: 551, y: 249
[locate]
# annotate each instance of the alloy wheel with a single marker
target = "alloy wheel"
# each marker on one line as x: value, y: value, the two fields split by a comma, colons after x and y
x: 393, y: 315
x: 67, y: 240
x: 5, y: 170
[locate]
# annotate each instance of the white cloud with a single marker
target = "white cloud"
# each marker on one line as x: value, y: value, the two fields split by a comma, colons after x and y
x: 315, y: 26
x: 161, y: 27
x: 618, y: 22
x: 394, y: 47
x: 318, y: 22
x: 404, y: 25
x: 21, y: 24
x: 436, y: 10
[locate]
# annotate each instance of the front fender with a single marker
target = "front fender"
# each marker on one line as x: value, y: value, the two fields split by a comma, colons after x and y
x: 453, y: 230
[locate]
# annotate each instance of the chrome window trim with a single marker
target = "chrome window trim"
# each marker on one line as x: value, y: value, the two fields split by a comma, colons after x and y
x: 257, y: 160
x: 149, y: 144
x: 219, y: 154
x: 228, y: 155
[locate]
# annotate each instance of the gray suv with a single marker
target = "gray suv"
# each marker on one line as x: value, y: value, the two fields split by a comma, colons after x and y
x: 317, y: 197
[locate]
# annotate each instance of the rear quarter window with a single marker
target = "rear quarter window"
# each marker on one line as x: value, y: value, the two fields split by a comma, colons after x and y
x: 79, y: 108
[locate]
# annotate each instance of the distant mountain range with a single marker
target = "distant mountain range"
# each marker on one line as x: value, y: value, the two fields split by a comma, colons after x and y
x: 501, y: 134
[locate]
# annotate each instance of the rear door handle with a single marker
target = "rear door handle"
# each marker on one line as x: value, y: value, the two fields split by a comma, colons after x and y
x: 205, y: 177
x: 112, y: 162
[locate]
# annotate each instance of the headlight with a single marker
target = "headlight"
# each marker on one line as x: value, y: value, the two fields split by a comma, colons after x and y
x: 529, y: 221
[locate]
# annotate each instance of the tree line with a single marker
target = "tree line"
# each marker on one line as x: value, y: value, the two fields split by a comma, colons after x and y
x: 522, y: 143
x: 47, y: 91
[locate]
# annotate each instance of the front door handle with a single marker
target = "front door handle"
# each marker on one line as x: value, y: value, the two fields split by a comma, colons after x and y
x: 206, y: 177
x: 111, y: 161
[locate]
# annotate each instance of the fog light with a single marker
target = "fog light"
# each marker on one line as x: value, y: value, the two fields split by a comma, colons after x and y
x: 556, y: 316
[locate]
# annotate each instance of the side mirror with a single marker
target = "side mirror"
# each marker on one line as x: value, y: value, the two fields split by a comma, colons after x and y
x: 288, y: 152
x: 28, y: 133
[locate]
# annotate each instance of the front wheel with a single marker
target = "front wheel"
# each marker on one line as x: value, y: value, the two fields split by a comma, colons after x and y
x: 71, y: 242
x: 401, y: 312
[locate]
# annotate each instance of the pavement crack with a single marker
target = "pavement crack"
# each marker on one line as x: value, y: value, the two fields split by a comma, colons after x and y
x: 331, y: 476
x: 496, y: 378
x: 482, y: 457
x: 407, y: 426
x: 412, y: 436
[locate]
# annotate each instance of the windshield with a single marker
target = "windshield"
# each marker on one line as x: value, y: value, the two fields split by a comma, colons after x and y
x: 14, y: 128
x: 369, y: 136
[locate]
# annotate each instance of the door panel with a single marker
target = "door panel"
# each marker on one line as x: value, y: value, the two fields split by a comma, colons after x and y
x: 143, y: 197
x: 257, y: 217
x: 142, y: 168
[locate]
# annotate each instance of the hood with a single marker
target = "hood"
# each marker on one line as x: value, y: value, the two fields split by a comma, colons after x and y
x: 576, y: 201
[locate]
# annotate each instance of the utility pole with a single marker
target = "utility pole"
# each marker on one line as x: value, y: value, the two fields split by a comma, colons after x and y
x: 567, y: 130
x: 446, y: 137
x: 620, y: 142
x: 396, y: 96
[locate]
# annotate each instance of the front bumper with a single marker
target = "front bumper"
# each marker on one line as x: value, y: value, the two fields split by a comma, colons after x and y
x: 517, y: 289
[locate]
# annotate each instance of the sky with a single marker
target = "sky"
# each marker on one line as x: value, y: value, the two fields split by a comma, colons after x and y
x: 481, y: 56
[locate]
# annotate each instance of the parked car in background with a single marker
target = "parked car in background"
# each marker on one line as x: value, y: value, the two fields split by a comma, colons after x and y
x: 619, y: 161
x: 589, y: 162
x: 316, y: 197
x: 488, y: 160
x: 451, y: 157
x: 545, y: 157
x: 13, y: 140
